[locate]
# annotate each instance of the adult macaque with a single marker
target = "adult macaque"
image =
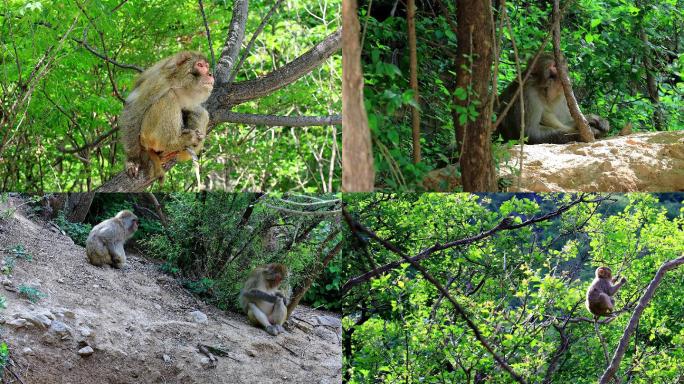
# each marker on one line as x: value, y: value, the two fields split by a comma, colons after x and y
x: 105, y: 243
x: 600, y: 300
x: 263, y: 300
x: 547, y: 117
x: 163, y: 117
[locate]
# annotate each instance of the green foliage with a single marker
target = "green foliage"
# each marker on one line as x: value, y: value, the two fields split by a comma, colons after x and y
x: 214, y: 240
x: 518, y: 287
x: 77, y: 231
x: 14, y: 253
x: 33, y: 294
x: 4, y: 355
x: 602, y: 40
x: 61, y: 138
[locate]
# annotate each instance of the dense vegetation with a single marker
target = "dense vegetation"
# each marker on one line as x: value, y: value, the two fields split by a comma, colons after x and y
x: 59, y: 100
x: 625, y: 58
x: 522, y: 288
x: 212, y: 240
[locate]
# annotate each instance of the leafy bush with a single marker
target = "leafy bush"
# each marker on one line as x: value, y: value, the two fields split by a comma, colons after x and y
x: 31, y: 293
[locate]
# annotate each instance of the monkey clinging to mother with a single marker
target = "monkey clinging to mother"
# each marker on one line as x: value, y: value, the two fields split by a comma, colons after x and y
x: 163, y: 118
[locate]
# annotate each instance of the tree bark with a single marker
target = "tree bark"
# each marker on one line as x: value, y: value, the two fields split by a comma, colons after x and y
x: 473, y: 66
x: 358, y: 172
x: 586, y: 135
x: 634, y: 320
x: 413, y: 57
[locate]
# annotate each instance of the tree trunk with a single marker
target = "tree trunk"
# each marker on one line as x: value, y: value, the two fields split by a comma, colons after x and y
x: 411, y: 22
x: 78, y: 205
x: 473, y: 66
x: 358, y: 172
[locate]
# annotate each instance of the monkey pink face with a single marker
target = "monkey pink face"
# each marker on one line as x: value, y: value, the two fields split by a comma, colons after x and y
x: 604, y: 273
x: 201, y: 69
x: 553, y: 71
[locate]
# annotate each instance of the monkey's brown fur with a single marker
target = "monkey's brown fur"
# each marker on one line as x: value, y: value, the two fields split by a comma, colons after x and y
x: 105, y: 243
x: 547, y: 117
x: 262, y: 298
x: 600, y: 300
x: 163, y: 116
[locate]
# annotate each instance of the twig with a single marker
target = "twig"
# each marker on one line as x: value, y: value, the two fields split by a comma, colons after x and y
x: 206, y: 28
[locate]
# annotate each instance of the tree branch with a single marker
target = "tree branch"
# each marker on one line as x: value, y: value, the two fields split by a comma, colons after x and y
x: 289, y: 73
x: 358, y: 227
x: 231, y: 48
x: 505, y: 224
x: 634, y: 320
x: 223, y: 116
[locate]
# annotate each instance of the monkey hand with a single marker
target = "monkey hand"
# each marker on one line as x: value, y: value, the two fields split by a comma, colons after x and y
x: 192, y: 137
x: 599, y: 125
x: 623, y: 280
x: 132, y: 168
x: 273, y: 330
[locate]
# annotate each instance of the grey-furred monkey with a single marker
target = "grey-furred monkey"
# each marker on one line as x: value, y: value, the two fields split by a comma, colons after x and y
x: 600, y: 300
x: 547, y: 117
x: 262, y: 298
x: 163, y: 117
x: 105, y: 243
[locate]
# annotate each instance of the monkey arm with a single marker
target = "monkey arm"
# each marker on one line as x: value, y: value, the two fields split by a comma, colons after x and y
x: 614, y: 288
x: 255, y: 294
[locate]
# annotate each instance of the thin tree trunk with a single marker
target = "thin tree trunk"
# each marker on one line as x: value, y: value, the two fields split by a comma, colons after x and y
x: 586, y: 135
x: 652, y: 85
x: 358, y: 172
x: 413, y: 57
x: 473, y: 66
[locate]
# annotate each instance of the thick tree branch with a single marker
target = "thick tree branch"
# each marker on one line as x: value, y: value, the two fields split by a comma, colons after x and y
x: 231, y: 48
x: 634, y: 320
x: 223, y: 116
x: 253, y: 89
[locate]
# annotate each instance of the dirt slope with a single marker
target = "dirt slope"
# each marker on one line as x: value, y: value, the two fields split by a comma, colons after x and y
x: 138, y: 322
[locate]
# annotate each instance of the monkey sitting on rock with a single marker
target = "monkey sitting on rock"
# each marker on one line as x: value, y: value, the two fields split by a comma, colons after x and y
x: 547, y: 117
x: 105, y: 243
x: 163, y: 117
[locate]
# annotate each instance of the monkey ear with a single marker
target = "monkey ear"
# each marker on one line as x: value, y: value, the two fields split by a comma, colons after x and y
x: 182, y: 57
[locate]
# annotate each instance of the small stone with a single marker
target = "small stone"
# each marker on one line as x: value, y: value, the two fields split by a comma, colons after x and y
x: 167, y: 358
x: 199, y: 317
x: 17, y: 323
x: 86, y: 351
x: 205, y: 361
x: 27, y: 351
x: 96, y: 286
x: 61, y: 281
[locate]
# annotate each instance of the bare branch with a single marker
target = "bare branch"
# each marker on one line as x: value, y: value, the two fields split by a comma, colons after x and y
x: 223, y: 116
x: 505, y: 224
x: 92, y: 50
x: 206, y: 28
x: 231, y: 48
x: 289, y: 73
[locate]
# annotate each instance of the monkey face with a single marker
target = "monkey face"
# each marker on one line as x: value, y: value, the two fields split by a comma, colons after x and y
x: 201, y: 70
x: 604, y: 273
x: 275, y: 273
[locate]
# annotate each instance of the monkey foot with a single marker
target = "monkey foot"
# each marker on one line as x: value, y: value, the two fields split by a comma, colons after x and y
x: 273, y: 330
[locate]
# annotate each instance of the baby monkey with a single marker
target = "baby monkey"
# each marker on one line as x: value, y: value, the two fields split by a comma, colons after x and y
x: 163, y: 117
x: 600, y: 300
x: 263, y: 300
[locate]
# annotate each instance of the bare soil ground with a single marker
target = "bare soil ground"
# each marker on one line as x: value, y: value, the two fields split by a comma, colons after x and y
x: 137, y: 322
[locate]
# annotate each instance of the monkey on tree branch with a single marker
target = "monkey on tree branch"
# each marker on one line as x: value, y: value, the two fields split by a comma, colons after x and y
x: 160, y: 145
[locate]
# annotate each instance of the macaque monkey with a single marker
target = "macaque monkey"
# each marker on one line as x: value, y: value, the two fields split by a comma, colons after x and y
x: 547, y: 117
x: 105, y: 244
x: 600, y: 300
x: 263, y: 300
x: 163, y: 117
